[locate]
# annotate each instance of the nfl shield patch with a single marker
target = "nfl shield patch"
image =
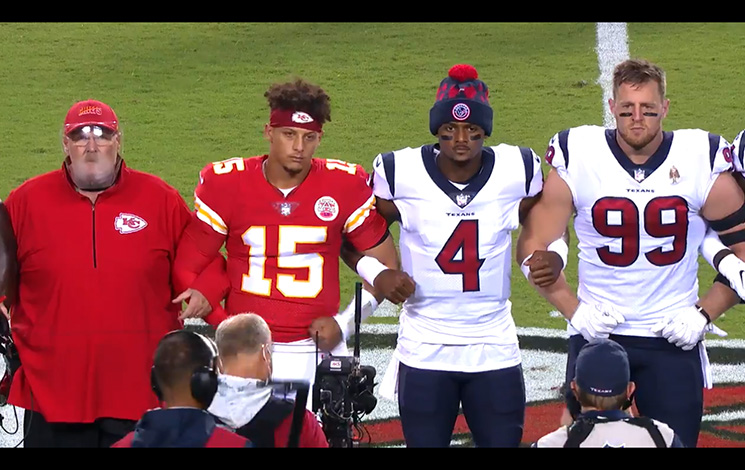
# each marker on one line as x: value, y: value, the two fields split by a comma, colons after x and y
x: 285, y: 208
x: 639, y: 174
x: 462, y: 199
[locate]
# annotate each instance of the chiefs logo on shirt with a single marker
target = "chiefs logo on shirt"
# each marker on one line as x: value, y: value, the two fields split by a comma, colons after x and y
x: 129, y: 223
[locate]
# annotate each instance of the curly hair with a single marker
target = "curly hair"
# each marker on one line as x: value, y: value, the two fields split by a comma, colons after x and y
x: 300, y: 95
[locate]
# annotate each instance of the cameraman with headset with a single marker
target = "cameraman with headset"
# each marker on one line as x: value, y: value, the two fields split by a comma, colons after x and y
x: 244, y: 401
x: 184, y: 378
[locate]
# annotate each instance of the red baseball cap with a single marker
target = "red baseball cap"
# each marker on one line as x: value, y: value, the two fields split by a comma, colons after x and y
x: 90, y: 112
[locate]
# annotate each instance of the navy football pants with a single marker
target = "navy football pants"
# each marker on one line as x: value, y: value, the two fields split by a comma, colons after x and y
x: 493, y: 405
x: 669, y: 382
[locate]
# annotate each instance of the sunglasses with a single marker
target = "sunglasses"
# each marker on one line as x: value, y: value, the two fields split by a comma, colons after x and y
x: 103, y: 136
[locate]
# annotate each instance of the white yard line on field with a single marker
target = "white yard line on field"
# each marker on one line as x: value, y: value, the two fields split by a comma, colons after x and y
x: 612, y: 48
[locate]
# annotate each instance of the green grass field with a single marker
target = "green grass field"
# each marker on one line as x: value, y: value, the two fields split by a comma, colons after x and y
x: 188, y: 94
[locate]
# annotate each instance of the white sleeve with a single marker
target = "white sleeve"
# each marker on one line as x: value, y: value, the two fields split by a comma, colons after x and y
x: 720, y: 157
x: 738, y: 152
x: 556, y: 156
x: 534, y: 185
x: 711, y: 246
x: 384, y: 184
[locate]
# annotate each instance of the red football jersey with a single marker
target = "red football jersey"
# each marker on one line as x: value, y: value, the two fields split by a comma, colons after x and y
x: 283, y: 251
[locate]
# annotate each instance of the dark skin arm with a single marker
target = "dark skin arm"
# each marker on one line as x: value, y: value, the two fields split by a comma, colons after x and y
x: 349, y: 255
x: 392, y: 284
x: 389, y: 284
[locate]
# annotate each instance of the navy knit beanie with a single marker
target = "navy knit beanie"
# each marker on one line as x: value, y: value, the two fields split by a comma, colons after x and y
x: 462, y: 97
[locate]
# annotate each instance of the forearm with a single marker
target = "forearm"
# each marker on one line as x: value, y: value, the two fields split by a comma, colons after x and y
x: 561, y: 296
x: 527, y: 243
x: 351, y: 257
x: 718, y: 299
x: 385, y: 252
x: 710, y: 247
x: 346, y: 318
x: 369, y: 301
x: 213, y: 282
x: 197, y: 248
x: 375, y: 260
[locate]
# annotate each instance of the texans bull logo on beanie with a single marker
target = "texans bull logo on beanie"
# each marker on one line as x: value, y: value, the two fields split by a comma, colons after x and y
x: 462, y: 97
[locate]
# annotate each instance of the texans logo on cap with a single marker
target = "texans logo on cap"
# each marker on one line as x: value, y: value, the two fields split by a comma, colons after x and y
x: 461, y: 111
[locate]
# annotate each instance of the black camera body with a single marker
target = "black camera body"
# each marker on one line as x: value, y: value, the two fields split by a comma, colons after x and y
x: 342, y: 395
x: 9, y: 357
x: 343, y: 391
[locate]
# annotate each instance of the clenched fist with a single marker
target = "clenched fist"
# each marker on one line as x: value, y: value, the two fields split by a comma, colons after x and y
x: 327, y: 331
x: 394, y: 285
x: 545, y: 267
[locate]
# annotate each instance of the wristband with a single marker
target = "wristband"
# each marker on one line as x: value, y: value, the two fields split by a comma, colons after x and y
x: 711, y: 247
x: 704, y: 313
x: 525, y: 268
x: 561, y: 248
x: 720, y: 256
x: 345, y: 318
x: 368, y: 268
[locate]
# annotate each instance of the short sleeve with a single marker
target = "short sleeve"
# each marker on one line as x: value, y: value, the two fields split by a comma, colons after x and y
x: 384, y: 176
x: 214, y: 192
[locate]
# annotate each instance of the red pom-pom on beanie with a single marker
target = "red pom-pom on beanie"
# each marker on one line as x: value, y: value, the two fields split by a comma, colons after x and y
x: 463, y: 72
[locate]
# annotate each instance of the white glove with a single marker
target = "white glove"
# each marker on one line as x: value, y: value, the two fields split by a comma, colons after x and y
x: 345, y: 318
x: 595, y: 321
x: 686, y: 329
x: 733, y: 268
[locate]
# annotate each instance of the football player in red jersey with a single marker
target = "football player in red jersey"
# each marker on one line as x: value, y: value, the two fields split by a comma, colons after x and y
x: 283, y: 217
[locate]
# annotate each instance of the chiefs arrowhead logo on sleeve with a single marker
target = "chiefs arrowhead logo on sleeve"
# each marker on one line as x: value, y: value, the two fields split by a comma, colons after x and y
x: 129, y: 223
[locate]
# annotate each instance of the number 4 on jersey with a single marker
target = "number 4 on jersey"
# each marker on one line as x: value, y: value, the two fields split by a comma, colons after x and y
x: 464, y: 240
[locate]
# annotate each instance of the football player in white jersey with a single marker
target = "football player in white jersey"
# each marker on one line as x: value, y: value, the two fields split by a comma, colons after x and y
x: 642, y: 199
x: 457, y: 203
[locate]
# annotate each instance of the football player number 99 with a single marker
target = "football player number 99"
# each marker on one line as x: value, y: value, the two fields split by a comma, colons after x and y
x: 663, y: 217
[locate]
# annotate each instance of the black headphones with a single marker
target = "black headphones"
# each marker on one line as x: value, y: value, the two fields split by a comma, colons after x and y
x: 203, y: 381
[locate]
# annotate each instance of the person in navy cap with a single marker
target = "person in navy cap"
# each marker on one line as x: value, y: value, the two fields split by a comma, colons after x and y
x: 603, y: 388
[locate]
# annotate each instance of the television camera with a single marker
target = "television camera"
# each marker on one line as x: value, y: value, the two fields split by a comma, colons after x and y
x: 343, y: 390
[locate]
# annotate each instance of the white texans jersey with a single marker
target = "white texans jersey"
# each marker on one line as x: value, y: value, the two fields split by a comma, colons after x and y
x: 639, y: 227
x: 738, y: 152
x: 456, y: 243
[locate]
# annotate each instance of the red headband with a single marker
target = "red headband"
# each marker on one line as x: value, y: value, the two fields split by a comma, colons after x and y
x: 292, y: 118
